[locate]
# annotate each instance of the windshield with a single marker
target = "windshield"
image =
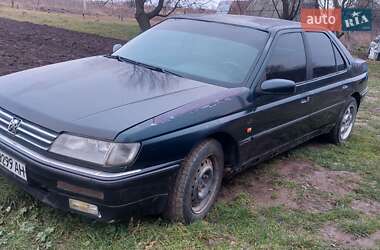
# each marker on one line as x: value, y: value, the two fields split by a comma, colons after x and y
x: 216, y: 53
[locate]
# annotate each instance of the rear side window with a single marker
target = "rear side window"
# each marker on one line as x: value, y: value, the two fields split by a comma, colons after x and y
x: 340, y: 64
x: 288, y: 60
x: 322, y: 54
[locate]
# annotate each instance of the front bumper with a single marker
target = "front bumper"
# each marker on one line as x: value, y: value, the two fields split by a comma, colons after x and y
x: 123, y: 195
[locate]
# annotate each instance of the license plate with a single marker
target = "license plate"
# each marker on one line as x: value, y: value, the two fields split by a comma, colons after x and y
x: 11, y: 164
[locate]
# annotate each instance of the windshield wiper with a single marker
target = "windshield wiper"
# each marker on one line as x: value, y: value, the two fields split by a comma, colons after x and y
x: 159, y: 69
x: 120, y: 58
x: 148, y: 66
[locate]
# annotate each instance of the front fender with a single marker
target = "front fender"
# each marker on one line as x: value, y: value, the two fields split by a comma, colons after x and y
x: 170, y: 136
x: 176, y: 145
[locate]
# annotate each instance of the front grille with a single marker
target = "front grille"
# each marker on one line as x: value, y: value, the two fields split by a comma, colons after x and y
x: 27, y: 132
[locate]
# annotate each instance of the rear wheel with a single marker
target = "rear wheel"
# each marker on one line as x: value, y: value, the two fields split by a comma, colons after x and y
x: 343, y: 128
x: 197, y: 183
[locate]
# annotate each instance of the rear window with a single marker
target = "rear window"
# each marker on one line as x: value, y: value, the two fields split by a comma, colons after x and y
x: 322, y: 54
x: 340, y: 63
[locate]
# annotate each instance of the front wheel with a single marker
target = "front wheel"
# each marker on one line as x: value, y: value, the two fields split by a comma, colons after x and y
x: 197, y: 183
x: 343, y: 128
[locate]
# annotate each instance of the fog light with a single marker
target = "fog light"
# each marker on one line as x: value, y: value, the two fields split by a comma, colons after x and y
x: 80, y: 190
x: 84, y: 207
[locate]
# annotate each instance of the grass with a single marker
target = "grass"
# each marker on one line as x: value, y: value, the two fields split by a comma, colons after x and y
x: 103, y: 26
x: 26, y: 223
x: 361, y: 153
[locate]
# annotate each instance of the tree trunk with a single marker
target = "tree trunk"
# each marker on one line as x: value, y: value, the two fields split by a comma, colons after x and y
x: 143, y: 20
x: 84, y: 11
x: 285, y: 10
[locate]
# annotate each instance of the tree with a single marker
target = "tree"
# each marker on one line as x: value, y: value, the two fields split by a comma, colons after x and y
x: 344, y: 3
x: 288, y: 9
x: 143, y: 17
x: 239, y: 7
x: 84, y: 10
x: 162, y: 8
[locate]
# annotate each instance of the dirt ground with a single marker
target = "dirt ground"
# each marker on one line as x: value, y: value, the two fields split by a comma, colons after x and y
x: 305, y: 186
x: 25, y: 45
x: 349, y: 241
x: 296, y: 185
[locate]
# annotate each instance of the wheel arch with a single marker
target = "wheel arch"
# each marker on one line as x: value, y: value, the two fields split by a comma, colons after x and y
x: 230, y: 148
x: 357, y: 97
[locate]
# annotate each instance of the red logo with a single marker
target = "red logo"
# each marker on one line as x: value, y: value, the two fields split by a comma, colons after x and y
x: 331, y: 19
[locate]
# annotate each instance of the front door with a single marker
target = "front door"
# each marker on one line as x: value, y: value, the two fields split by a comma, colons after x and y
x: 279, y: 119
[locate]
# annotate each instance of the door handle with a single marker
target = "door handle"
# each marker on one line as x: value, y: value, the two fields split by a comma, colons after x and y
x: 344, y: 87
x: 305, y: 100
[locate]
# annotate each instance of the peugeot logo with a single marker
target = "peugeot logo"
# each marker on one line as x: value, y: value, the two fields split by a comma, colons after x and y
x: 13, y: 125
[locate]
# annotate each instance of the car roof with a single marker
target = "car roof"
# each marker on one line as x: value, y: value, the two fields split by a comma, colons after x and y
x: 263, y: 23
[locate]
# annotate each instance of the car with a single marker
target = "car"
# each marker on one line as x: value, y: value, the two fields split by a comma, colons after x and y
x: 153, y: 128
x: 374, y: 49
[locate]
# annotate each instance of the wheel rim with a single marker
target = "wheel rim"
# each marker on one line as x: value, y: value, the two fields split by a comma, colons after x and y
x: 204, y: 185
x: 347, y: 122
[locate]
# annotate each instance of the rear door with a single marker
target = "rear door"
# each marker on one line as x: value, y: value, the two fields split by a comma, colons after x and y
x: 328, y: 71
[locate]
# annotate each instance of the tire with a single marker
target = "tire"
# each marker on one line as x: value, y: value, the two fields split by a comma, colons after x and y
x: 344, y: 126
x: 205, y: 160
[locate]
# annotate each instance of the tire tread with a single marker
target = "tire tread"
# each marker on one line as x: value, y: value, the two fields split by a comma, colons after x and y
x: 175, y: 211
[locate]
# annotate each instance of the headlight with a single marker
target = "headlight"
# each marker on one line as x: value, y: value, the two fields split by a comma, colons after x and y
x: 107, y: 154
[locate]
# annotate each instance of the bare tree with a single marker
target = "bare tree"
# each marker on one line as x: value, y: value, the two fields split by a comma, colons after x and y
x: 287, y: 9
x: 36, y: 4
x: 239, y: 7
x: 84, y: 10
x: 143, y: 17
x: 344, y: 3
x: 163, y: 8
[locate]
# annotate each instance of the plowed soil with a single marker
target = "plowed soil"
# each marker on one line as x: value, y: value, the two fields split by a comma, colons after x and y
x: 25, y: 45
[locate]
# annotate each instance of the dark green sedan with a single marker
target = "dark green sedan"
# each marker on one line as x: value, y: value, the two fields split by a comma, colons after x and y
x: 154, y: 127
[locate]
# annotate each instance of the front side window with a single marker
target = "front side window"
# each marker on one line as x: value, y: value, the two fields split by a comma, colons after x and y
x: 322, y: 54
x: 217, y: 53
x: 288, y: 59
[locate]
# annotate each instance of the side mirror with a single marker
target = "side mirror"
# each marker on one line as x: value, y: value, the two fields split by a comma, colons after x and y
x: 278, y: 86
x: 116, y: 47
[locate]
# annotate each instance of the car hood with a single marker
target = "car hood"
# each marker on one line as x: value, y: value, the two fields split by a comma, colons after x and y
x: 96, y: 96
